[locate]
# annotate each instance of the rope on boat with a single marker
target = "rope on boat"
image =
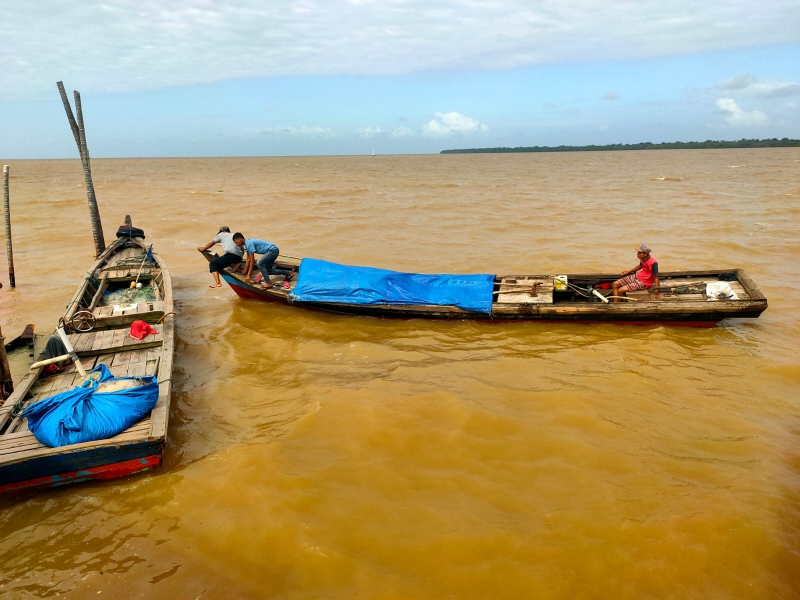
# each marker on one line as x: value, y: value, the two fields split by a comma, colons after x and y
x: 17, y: 408
x: 134, y: 261
x: 580, y: 291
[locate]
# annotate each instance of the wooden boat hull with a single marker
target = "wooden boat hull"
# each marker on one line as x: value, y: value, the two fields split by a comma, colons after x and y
x: 74, y: 466
x: 27, y: 464
x: 693, y: 310
x: 23, y: 339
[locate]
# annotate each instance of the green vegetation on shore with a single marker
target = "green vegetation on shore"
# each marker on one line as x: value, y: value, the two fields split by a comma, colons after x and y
x: 713, y: 144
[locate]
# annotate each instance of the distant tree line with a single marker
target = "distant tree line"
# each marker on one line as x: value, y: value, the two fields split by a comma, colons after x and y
x: 743, y: 143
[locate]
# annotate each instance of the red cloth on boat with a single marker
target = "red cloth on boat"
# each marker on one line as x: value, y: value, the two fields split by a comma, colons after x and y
x: 140, y: 330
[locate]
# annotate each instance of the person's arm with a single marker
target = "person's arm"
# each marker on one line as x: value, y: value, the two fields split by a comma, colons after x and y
x: 633, y: 270
x: 655, y: 282
x: 206, y: 247
x: 248, y: 266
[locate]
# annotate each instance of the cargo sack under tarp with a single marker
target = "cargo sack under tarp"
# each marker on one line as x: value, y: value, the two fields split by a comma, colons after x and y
x: 84, y: 414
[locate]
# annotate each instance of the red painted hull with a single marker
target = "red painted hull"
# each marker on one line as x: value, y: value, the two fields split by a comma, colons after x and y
x: 110, y: 471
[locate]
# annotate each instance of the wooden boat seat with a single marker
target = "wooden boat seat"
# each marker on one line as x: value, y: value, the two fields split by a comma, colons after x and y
x: 107, y: 316
x: 112, y: 340
x: 640, y: 295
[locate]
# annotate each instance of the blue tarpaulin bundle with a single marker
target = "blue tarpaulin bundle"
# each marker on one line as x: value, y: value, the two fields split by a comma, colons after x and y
x: 84, y: 415
x: 323, y: 281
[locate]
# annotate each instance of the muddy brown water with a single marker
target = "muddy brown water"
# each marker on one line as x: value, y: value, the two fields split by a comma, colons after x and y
x: 320, y: 456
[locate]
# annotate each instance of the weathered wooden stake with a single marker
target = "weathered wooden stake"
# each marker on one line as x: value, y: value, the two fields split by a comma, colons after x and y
x: 7, y: 209
x: 79, y: 133
x: 6, y: 383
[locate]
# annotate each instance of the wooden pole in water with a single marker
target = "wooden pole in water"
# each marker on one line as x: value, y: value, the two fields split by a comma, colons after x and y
x: 7, y: 208
x: 79, y: 133
x: 6, y: 383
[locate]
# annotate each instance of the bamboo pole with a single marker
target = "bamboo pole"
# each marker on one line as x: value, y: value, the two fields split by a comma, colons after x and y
x: 7, y: 209
x: 6, y: 383
x: 79, y: 133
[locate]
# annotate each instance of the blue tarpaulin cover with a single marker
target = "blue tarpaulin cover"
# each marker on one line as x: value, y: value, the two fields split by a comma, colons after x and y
x: 81, y: 415
x: 323, y: 281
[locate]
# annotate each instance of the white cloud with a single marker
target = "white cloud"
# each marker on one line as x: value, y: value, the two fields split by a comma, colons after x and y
x: 367, y: 132
x: 737, y: 116
x: 101, y: 46
x: 313, y: 131
x: 603, y: 127
x: 402, y: 132
x: 611, y: 96
x: 768, y: 88
x: 447, y: 124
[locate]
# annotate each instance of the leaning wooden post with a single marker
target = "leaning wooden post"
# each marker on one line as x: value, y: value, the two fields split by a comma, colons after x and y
x: 6, y: 383
x: 7, y: 209
x: 79, y: 133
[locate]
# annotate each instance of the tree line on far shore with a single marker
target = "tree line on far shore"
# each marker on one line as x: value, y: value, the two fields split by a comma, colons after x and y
x: 712, y: 144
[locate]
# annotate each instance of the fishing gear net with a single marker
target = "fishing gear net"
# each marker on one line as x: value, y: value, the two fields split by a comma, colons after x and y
x: 129, y: 295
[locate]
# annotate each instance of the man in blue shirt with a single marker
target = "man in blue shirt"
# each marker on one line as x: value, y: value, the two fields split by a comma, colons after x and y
x: 269, y: 253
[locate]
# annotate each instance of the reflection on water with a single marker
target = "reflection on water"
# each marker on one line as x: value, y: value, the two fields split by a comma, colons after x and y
x: 318, y: 455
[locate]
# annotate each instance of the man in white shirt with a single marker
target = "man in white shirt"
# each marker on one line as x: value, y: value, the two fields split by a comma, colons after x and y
x: 233, y: 247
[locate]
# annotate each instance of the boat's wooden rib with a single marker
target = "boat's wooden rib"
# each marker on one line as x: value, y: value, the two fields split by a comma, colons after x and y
x: 683, y: 300
x: 24, y: 462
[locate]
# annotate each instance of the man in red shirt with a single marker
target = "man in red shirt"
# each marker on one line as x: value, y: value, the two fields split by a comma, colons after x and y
x: 644, y: 276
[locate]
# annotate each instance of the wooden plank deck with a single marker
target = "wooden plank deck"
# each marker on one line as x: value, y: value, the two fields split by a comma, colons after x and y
x: 112, y: 340
x: 677, y: 290
x: 24, y: 440
x: 516, y: 290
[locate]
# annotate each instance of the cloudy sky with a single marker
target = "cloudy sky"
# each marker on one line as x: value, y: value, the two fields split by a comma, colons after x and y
x: 279, y: 77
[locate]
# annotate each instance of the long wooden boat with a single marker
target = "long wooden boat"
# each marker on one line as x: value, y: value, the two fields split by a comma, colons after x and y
x: 100, y: 335
x: 683, y: 299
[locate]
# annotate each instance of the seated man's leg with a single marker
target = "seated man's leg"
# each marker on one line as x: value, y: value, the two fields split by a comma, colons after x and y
x: 626, y: 284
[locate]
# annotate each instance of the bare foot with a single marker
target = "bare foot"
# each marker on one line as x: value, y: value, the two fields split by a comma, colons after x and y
x: 215, y: 285
x: 266, y: 286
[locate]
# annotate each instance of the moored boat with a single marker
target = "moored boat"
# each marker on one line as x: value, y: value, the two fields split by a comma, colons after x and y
x: 97, y: 323
x: 571, y: 298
